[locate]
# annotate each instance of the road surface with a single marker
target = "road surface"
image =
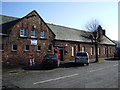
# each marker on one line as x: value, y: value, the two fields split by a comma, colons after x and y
x: 96, y: 75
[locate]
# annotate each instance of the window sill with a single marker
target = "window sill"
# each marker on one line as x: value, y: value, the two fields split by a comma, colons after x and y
x: 14, y: 50
x: 43, y: 38
x: 33, y: 37
x: 23, y: 36
x: 26, y: 50
x: 38, y: 50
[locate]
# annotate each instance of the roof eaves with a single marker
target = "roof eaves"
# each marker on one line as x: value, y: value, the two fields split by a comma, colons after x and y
x: 110, y: 39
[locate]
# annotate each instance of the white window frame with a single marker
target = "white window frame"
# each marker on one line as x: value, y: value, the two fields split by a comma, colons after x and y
x: 45, y: 34
x: 22, y: 34
x: 33, y: 33
x: 83, y: 49
x: 12, y: 47
x: 92, y: 50
x: 98, y: 50
x: 37, y: 48
x: 72, y: 51
x: 104, y: 50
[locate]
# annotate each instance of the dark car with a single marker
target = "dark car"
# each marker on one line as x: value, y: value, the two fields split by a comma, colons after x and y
x: 51, y: 60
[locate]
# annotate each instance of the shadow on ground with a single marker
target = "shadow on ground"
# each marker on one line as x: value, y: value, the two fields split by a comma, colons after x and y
x: 71, y: 64
x: 63, y: 65
x: 112, y: 59
x: 36, y: 67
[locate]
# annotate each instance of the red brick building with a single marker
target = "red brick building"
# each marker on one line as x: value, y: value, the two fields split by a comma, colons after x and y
x: 30, y: 35
x: 69, y: 41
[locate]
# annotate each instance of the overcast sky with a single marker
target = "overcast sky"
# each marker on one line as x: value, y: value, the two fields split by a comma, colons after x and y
x: 70, y: 14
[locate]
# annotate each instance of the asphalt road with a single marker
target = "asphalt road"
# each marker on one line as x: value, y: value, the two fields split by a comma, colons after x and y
x: 96, y: 75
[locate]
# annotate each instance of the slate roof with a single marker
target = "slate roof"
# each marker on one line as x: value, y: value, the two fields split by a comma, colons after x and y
x: 117, y: 43
x: 71, y: 34
x: 6, y: 23
x: 61, y: 32
x: 68, y: 34
x: 6, y: 19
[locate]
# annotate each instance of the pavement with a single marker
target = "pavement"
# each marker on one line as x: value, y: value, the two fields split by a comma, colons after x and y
x: 7, y: 73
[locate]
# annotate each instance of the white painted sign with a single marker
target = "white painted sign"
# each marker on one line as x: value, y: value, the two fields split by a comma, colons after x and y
x: 33, y: 42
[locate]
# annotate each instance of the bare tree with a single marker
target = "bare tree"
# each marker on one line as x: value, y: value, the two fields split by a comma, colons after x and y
x: 94, y: 36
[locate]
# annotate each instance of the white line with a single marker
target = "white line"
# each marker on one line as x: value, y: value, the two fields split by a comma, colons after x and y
x: 97, y: 69
x: 101, y: 68
x: 55, y: 79
x: 115, y: 65
x: 92, y: 70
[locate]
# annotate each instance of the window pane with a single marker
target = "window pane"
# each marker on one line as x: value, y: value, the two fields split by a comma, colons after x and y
x: 27, y: 47
x: 14, y: 47
x: 1, y: 46
x: 43, y: 34
x: 25, y: 32
x: 36, y: 33
x: 81, y: 54
x: 83, y: 49
x: 39, y: 48
x: 72, y: 51
x: 21, y: 31
x: 32, y: 33
x: 98, y: 51
x: 50, y: 47
x: 92, y: 50
x: 104, y: 50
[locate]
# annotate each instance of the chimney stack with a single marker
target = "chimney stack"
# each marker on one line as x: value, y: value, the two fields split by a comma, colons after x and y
x: 104, y: 32
x: 100, y: 32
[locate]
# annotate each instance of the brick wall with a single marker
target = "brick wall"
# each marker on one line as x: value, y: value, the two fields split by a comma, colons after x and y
x: 104, y: 50
x: 21, y: 56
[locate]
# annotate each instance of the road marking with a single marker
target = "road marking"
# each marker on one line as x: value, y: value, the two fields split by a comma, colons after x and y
x: 115, y: 65
x: 101, y: 68
x: 55, y: 79
x: 93, y: 70
x: 97, y: 69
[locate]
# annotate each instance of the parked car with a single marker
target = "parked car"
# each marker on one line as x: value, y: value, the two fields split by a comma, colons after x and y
x: 82, y: 58
x: 51, y: 60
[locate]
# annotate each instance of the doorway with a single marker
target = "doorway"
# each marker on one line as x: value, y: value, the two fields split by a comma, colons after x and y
x: 60, y: 54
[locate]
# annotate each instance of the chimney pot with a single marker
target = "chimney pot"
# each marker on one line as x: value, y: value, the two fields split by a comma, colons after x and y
x: 103, y: 32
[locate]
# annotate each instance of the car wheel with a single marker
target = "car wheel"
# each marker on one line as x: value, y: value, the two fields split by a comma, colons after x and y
x: 75, y: 62
x: 87, y: 64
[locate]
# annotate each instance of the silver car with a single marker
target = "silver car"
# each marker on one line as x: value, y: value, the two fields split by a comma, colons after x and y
x: 82, y: 57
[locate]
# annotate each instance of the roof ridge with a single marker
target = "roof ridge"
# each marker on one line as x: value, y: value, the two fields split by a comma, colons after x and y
x: 67, y: 27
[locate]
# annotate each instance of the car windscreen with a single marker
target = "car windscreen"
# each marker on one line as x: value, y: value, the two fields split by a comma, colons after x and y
x: 53, y: 57
x: 81, y: 54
